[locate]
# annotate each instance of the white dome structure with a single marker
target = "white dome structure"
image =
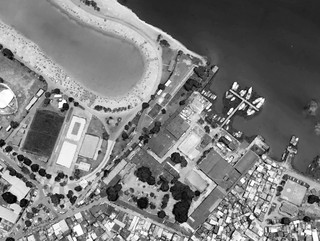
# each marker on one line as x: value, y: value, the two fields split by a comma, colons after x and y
x: 6, y: 96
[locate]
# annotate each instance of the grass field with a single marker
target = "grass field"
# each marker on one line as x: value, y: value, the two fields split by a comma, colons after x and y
x: 23, y: 82
x: 43, y: 133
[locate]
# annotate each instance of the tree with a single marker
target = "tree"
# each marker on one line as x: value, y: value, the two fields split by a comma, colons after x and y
x: 285, y: 221
x: 35, y: 167
x: 145, y: 105
x: 19, y: 175
x: 124, y: 135
x: 10, y: 239
x: 8, y: 149
x: 105, y: 135
x: 182, y: 102
x: 24, y: 203
x: 77, y: 173
x: 48, y: 176
x: 65, y: 106
x: 70, y: 99
x: 29, y: 215
x: 42, y: 172
x: 14, y: 124
x: 46, y: 101
x: 163, y: 111
x: 143, y: 202
x: 47, y: 94
x: 2, y: 143
x: 151, y: 180
x: 28, y: 223
x: 181, y: 191
x: 180, y: 211
x: 184, y: 163
x: 27, y: 161
x: 76, y: 104
x: 113, y: 192
x: 61, y: 175
x: 35, y: 210
x: 56, y: 91
x: 161, y: 86
x: 12, y: 172
x: 197, y: 193
x: 7, y: 53
x: 207, y: 129
x: 29, y: 184
x: 312, y: 199
x: 25, y: 170
x: 78, y: 188
x: 306, y: 219
x: 9, y: 198
x: 165, y: 200
x: 161, y: 214
x: 143, y: 173
x: 20, y: 158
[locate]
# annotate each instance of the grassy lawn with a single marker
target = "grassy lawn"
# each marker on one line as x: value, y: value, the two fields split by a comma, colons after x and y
x: 96, y: 127
x: 23, y: 82
x: 43, y: 133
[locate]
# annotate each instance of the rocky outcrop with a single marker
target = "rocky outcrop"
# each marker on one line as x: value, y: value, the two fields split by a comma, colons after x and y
x: 312, y: 107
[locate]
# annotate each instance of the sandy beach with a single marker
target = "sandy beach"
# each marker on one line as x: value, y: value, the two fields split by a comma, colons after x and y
x: 119, y: 24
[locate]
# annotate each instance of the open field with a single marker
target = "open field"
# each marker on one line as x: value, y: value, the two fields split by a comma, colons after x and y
x: 23, y: 82
x: 43, y: 133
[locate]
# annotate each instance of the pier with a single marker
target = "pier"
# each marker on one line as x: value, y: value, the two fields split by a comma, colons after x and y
x: 244, y: 100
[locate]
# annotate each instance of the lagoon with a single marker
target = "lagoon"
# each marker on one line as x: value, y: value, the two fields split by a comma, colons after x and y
x: 104, y: 64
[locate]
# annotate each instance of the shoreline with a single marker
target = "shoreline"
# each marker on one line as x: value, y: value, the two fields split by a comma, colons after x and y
x: 28, y: 52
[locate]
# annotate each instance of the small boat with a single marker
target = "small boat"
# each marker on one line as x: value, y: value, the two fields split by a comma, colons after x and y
x: 242, y: 92
x: 257, y: 100
x: 228, y: 95
x: 242, y: 106
x: 235, y: 86
x: 230, y: 111
x: 294, y: 140
x: 261, y: 102
x: 248, y: 96
x: 250, y: 111
x: 233, y: 98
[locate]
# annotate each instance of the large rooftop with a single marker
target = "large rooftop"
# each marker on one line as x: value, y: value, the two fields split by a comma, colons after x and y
x: 201, y: 213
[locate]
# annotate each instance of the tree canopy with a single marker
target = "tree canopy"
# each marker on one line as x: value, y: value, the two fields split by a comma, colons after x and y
x: 24, y: 203
x: 42, y: 172
x: 161, y: 214
x: 9, y: 198
x: 113, y: 192
x: 180, y: 211
x: 27, y: 161
x: 285, y: 221
x: 35, y: 167
x: 143, y: 202
x: 144, y: 174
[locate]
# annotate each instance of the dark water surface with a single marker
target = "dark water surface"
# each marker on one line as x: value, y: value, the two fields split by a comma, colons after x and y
x: 273, y: 46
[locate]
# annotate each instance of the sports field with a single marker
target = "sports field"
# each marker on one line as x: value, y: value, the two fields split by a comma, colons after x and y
x: 43, y: 133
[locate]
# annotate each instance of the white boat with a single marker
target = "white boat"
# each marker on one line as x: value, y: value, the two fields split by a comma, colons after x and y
x: 248, y: 96
x: 257, y: 100
x: 261, y: 102
x: 228, y: 95
x: 233, y: 98
x: 222, y: 120
x: 242, y: 92
x: 235, y: 86
x: 250, y: 111
x: 242, y: 106
x: 230, y: 111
